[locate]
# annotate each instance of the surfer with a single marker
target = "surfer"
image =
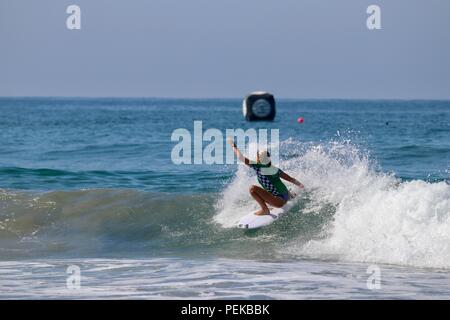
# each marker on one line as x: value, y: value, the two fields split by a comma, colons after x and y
x: 273, y: 191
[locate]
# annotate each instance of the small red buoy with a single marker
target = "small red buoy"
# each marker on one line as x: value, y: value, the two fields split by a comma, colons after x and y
x: 300, y: 120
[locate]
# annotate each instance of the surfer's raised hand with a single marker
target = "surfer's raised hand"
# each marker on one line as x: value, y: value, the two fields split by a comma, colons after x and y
x: 237, y: 152
x: 231, y: 142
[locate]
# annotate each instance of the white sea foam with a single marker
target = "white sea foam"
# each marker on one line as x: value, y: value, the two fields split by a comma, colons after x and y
x: 377, y: 217
x: 408, y: 225
x: 169, y: 278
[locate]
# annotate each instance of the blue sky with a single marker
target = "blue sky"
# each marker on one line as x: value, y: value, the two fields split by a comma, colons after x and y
x: 226, y: 48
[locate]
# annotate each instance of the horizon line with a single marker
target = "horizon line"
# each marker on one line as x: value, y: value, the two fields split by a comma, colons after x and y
x: 219, y: 98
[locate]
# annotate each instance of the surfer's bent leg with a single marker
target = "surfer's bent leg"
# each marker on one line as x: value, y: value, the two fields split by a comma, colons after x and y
x: 262, y: 197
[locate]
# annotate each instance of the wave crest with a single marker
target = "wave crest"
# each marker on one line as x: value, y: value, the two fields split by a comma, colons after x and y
x: 365, y: 215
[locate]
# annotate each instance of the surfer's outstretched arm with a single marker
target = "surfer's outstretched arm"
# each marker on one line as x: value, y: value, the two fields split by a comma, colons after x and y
x: 287, y: 177
x: 237, y: 152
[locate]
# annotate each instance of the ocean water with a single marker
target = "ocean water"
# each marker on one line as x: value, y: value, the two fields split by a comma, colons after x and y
x: 90, y: 183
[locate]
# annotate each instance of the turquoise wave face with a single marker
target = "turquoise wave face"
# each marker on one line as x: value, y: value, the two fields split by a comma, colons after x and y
x: 121, y: 223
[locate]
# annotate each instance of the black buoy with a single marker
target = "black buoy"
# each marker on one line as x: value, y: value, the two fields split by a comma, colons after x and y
x: 259, y: 106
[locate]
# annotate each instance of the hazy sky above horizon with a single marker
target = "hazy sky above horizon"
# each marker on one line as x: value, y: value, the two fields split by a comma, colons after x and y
x: 226, y: 48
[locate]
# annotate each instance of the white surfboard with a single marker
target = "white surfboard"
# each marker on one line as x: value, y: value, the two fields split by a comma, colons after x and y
x: 253, y: 221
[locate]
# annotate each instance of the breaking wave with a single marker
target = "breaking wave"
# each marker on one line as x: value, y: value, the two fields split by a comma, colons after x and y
x: 351, y: 211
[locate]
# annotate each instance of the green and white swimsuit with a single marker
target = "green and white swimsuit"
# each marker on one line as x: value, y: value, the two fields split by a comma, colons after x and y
x: 269, y: 179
